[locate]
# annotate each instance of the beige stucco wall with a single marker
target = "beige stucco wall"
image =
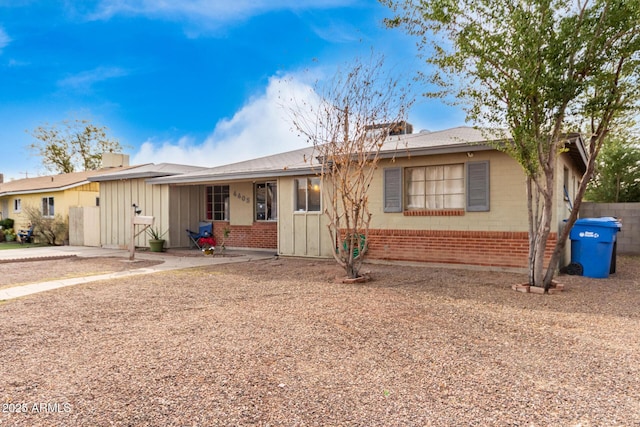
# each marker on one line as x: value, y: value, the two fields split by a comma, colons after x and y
x: 562, y: 209
x: 305, y: 234
x: 241, y: 203
x: 508, y: 208
x: 84, y: 195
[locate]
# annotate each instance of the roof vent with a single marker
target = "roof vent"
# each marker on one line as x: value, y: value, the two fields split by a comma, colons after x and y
x: 397, y: 128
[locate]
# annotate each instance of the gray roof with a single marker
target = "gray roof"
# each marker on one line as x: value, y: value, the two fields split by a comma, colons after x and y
x: 297, y: 162
x: 60, y: 182
x: 148, y: 170
x: 459, y: 139
x: 304, y: 161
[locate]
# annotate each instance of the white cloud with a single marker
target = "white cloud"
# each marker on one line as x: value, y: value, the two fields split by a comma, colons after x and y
x: 84, y: 80
x: 216, y: 12
x: 4, y: 39
x: 260, y: 128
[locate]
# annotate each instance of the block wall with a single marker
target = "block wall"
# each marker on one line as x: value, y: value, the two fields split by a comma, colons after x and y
x: 628, y: 213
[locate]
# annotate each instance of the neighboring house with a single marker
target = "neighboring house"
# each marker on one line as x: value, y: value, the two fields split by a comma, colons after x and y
x: 174, y: 208
x: 52, y: 195
x: 442, y: 197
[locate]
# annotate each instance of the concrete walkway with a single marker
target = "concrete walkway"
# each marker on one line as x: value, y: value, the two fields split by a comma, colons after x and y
x: 169, y: 262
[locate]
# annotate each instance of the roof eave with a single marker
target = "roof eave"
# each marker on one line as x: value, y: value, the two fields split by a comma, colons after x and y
x: 237, y: 176
x: 105, y: 178
x: 44, y: 190
x: 429, y: 151
x: 284, y: 172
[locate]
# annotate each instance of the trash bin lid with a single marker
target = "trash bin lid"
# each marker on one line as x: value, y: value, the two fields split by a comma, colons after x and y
x: 605, y: 221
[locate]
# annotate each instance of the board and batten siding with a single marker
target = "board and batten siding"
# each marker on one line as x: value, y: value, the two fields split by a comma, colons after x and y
x: 186, y: 210
x: 300, y: 233
x: 116, y: 201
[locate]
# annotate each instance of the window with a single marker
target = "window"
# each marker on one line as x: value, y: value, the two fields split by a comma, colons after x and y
x: 47, y: 206
x: 217, y: 203
x: 308, y: 194
x: 440, y: 187
x: 17, y: 205
x: 435, y: 187
x: 267, y: 201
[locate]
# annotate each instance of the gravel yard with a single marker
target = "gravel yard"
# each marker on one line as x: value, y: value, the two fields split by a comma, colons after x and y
x: 32, y: 271
x: 280, y: 343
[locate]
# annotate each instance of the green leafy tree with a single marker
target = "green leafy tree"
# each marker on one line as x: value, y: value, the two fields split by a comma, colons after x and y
x: 617, y: 172
x: 72, y: 146
x: 539, y: 69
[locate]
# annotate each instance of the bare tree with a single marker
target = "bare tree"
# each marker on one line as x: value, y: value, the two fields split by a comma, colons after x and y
x: 356, y: 112
x: 53, y: 230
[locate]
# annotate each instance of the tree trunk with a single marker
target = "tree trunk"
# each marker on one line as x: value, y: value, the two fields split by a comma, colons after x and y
x: 543, y: 230
x: 542, y: 237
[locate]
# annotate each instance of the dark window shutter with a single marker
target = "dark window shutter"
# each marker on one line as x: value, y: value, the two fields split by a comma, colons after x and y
x: 393, y: 190
x: 478, y: 186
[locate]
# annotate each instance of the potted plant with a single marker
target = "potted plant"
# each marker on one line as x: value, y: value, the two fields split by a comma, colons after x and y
x: 156, y: 242
x: 208, y: 244
x: 10, y: 235
x: 225, y: 235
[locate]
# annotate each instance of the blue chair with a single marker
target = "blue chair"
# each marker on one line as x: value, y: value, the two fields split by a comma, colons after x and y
x: 26, y: 235
x: 205, y: 229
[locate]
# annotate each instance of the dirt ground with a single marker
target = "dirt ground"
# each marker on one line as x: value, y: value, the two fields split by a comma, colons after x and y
x: 281, y: 343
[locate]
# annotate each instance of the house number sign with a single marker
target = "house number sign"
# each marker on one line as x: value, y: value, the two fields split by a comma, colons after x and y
x: 241, y: 196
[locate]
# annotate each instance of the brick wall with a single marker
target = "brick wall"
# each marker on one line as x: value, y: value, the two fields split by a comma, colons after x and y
x: 629, y: 214
x: 484, y: 248
x: 260, y: 235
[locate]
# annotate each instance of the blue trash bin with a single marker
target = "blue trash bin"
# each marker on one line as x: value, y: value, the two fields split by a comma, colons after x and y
x: 592, y: 245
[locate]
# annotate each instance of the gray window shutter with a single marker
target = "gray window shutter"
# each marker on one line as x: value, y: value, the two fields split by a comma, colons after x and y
x: 393, y: 190
x: 478, y: 186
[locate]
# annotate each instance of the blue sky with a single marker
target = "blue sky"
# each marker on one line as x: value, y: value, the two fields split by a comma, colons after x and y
x: 185, y: 81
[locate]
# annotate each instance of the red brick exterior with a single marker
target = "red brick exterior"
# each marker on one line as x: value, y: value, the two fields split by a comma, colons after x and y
x: 434, y: 212
x: 484, y: 248
x: 260, y: 235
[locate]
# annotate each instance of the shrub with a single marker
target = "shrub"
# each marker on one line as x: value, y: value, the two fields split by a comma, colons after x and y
x: 6, y: 223
x: 53, y: 230
x: 9, y: 234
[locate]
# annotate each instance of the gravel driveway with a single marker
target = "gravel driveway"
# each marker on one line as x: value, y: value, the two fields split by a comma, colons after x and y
x: 280, y: 343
